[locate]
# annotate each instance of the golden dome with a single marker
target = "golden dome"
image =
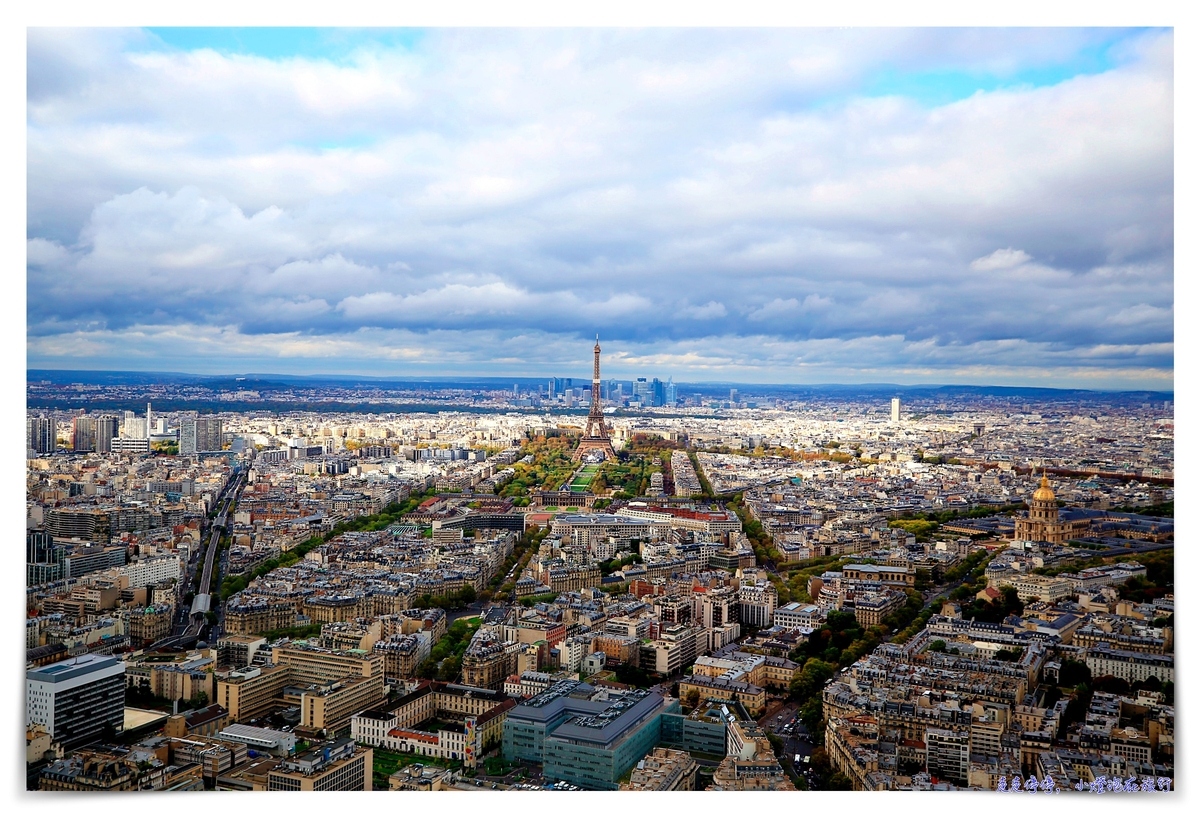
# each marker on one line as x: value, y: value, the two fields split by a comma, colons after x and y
x: 1044, y: 494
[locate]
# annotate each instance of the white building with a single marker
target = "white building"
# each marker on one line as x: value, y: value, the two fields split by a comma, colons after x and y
x: 796, y: 615
x: 757, y: 602
x: 152, y: 570
x: 77, y: 699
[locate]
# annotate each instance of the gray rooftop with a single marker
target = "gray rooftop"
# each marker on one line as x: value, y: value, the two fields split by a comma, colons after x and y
x: 72, y: 668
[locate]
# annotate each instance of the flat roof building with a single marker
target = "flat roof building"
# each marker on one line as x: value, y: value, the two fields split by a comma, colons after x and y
x: 586, y: 735
x: 271, y: 741
x: 339, y: 765
x: 77, y: 700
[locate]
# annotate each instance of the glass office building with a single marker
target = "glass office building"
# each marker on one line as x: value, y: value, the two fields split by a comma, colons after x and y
x: 586, y: 735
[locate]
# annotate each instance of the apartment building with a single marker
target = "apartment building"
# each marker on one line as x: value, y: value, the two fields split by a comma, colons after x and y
x: 948, y: 754
x: 252, y: 691
x: 663, y: 770
x: 796, y: 615
x: 1129, y: 666
x: 77, y: 700
x: 751, y: 696
x: 339, y: 765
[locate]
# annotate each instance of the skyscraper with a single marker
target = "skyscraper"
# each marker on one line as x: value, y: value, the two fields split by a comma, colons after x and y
x: 41, y: 434
x: 83, y: 434
x: 187, y: 436
x: 200, y: 434
x: 106, y: 429
x: 558, y: 386
x: 643, y: 390
x: 209, y: 431
x: 44, y: 560
x: 895, y: 409
x: 670, y: 393
x: 149, y: 421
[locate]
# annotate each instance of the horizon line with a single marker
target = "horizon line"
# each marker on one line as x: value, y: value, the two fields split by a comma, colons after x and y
x: 418, y: 378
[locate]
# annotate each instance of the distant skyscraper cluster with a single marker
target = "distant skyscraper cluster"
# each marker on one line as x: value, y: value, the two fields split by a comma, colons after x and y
x: 131, y: 433
x: 645, y: 392
x: 94, y: 433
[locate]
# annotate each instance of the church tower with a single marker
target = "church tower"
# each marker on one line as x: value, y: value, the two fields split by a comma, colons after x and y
x: 1044, y: 507
x: 1042, y: 523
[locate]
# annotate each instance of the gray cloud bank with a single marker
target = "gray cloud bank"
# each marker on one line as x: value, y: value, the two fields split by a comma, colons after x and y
x: 716, y: 204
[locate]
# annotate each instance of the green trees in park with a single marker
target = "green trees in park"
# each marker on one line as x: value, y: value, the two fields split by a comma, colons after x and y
x: 445, y: 659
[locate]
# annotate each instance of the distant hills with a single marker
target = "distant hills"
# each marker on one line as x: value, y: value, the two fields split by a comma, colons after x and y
x: 266, y: 383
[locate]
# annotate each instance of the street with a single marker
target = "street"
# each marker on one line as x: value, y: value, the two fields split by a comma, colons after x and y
x: 781, y: 720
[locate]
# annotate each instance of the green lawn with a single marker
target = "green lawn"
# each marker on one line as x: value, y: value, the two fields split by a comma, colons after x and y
x: 584, y: 478
x: 386, y: 762
x: 497, y: 766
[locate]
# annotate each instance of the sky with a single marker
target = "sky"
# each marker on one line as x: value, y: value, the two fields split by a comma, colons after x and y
x: 955, y: 206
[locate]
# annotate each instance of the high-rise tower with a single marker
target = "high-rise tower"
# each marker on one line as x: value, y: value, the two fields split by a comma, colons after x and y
x: 595, y: 435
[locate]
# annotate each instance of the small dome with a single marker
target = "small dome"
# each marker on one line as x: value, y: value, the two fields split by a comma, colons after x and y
x: 1044, y: 494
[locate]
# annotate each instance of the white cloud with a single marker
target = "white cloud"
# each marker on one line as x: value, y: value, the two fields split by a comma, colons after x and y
x: 1001, y: 259
x: 42, y: 253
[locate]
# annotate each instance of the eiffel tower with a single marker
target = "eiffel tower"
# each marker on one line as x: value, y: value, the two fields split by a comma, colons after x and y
x: 595, y: 435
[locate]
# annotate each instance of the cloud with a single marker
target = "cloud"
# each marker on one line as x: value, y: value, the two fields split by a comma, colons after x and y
x: 206, y: 348
x: 658, y: 187
x: 42, y: 253
x: 708, y: 311
x: 1001, y: 259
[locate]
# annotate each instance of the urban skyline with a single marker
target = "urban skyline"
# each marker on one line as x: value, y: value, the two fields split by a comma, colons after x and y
x: 870, y: 488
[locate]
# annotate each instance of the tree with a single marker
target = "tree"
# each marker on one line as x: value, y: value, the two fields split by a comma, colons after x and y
x: 812, y: 678
x: 691, y: 699
x: 813, y: 715
x: 1150, y: 683
x: 1111, y: 685
x: 839, y: 782
x: 449, y: 669
x: 1073, y: 673
x: 840, y: 620
x: 937, y: 646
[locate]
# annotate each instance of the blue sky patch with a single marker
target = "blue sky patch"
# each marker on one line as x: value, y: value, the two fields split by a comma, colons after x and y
x: 333, y: 44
